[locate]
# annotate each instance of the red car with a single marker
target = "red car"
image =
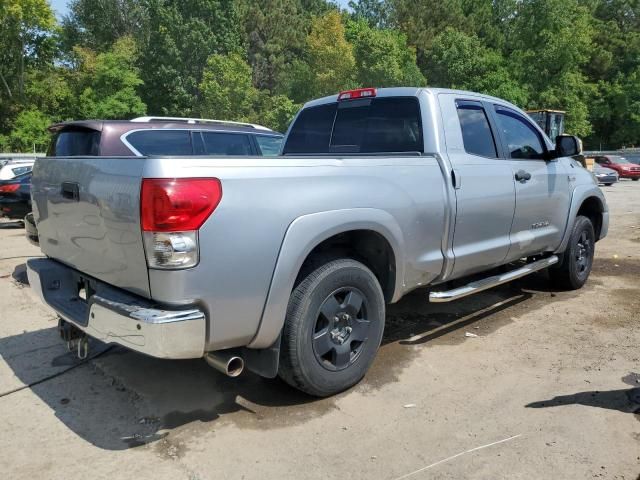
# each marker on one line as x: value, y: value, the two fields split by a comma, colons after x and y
x: 624, y: 167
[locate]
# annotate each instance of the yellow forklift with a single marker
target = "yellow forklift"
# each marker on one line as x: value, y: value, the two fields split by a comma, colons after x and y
x: 551, y: 121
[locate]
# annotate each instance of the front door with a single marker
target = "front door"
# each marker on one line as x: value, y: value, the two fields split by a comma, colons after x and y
x: 485, y: 192
x: 542, y: 186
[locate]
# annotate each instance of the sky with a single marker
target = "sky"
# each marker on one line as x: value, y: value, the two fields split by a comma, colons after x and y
x: 60, y: 6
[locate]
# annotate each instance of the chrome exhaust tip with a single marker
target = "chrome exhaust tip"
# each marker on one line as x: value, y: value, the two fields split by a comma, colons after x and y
x: 229, y: 364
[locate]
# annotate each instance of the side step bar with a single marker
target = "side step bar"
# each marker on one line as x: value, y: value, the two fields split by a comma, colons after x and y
x: 490, y: 282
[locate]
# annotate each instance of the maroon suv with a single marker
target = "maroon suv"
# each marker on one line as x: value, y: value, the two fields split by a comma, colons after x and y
x: 162, y: 136
x: 624, y: 167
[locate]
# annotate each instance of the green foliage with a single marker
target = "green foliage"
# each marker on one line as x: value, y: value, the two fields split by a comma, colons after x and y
x: 99, y: 24
x: 258, y: 60
x: 458, y: 60
x: 108, y: 82
x: 376, y: 13
x: 29, y: 132
x: 180, y: 37
x: 226, y: 90
x: 330, y: 56
x: 227, y: 93
x: 383, y: 58
x: 275, y: 32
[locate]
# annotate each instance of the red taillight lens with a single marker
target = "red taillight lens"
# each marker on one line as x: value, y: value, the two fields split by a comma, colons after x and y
x: 177, y: 204
x: 359, y: 93
x: 9, y: 188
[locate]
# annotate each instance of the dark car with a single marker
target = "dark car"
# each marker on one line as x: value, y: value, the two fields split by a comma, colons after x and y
x: 15, y: 196
x: 146, y: 136
x: 624, y: 167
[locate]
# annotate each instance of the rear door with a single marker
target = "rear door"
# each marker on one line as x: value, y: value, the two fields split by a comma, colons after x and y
x: 542, y: 186
x: 484, y: 185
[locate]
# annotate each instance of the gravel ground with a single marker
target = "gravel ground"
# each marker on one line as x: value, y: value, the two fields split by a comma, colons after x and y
x: 548, y: 388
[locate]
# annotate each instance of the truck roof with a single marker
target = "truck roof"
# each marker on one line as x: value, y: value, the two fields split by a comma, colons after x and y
x: 407, y: 92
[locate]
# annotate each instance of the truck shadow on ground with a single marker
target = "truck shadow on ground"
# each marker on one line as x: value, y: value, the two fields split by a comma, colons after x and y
x: 121, y: 399
x: 623, y: 400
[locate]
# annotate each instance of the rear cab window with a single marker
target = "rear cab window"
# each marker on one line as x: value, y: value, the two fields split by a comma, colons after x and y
x: 74, y: 142
x: 361, y: 126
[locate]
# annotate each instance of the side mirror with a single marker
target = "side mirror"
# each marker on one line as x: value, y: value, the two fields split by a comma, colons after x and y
x: 567, y: 146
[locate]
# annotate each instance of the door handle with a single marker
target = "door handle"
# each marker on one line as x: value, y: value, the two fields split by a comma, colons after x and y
x: 70, y: 191
x: 523, y: 176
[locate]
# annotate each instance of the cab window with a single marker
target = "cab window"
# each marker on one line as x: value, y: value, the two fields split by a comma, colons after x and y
x: 522, y: 139
x: 476, y: 132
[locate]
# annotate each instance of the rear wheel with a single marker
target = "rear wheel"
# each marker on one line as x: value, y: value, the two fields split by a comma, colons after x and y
x: 635, y: 179
x: 577, y: 260
x: 334, y: 326
x: 608, y: 184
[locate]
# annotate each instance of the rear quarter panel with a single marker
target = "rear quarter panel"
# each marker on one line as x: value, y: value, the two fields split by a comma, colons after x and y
x: 241, y: 242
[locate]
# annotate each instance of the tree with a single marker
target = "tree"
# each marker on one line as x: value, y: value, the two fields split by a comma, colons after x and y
x: 97, y: 24
x: 377, y: 13
x: 29, y: 132
x: 551, y: 46
x: 26, y: 42
x: 458, y: 60
x: 275, y: 32
x: 227, y: 89
x: 383, y: 58
x: 182, y: 36
x: 331, y: 59
x: 107, y: 82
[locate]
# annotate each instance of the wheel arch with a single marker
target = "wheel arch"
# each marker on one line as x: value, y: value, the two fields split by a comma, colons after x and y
x: 590, y: 202
x: 330, y: 233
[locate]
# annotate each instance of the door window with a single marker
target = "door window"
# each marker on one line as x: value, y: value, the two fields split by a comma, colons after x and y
x: 269, y: 145
x: 523, y: 140
x: 226, y: 143
x: 161, y: 142
x: 476, y: 132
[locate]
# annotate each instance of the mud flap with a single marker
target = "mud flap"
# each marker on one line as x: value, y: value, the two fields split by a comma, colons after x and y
x: 265, y: 361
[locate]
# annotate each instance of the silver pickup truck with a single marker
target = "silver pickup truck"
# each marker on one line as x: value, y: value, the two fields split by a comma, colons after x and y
x: 285, y: 264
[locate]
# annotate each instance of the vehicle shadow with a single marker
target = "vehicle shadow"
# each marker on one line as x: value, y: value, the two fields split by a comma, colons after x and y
x: 121, y: 399
x: 625, y: 400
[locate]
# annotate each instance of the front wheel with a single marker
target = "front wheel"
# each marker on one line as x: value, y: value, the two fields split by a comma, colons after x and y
x: 573, y: 271
x: 635, y: 179
x: 333, y: 328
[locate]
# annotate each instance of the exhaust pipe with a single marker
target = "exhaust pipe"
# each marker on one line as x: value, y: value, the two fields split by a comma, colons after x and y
x: 227, y: 363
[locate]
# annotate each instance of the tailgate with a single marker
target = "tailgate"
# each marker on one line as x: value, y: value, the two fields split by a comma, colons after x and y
x: 88, y: 215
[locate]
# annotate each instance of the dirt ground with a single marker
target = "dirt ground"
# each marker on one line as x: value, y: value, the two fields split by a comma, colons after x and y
x: 548, y: 389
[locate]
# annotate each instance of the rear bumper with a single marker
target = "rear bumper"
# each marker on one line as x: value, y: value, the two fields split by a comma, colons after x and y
x: 114, y: 316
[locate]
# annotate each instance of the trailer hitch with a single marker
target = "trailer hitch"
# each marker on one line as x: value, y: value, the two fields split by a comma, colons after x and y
x: 75, y: 339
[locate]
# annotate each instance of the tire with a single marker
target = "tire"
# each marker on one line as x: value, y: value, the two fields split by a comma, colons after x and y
x: 608, y: 184
x: 573, y: 271
x: 333, y: 329
x: 635, y: 179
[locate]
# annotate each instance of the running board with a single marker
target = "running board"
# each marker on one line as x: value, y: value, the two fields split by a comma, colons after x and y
x: 490, y: 282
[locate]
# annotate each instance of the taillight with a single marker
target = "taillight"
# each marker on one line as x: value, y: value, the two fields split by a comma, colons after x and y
x: 358, y: 93
x: 171, y: 212
x: 9, y: 188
